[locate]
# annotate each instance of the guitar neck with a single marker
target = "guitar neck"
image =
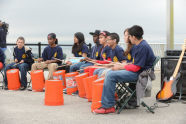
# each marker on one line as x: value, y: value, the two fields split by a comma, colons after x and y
x: 178, y: 64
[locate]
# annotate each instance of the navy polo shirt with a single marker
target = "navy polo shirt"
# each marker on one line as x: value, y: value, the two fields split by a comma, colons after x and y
x: 95, y: 53
x: 130, y: 55
x: 84, y: 50
x: 117, y: 54
x: 19, y: 54
x: 144, y: 56
x: 49, y: 53
x: 105, y: 53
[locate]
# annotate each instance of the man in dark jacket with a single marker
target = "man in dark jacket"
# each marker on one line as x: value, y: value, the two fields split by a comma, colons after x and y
x: 3, y: 34
x: 22, y: 61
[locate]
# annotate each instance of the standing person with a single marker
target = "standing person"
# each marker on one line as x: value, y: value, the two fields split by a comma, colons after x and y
x: 79, y: 49
x: 143, y: 59
x: 22, y: 61
x: 2, y: 59
x: 49, y: 54
x: 3, y: 33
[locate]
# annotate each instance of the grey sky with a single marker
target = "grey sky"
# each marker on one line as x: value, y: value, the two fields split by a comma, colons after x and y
x: 34, y: 19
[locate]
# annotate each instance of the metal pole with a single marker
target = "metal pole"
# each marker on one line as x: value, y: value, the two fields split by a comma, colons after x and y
x: 170, y: 24
x: 39, y: 49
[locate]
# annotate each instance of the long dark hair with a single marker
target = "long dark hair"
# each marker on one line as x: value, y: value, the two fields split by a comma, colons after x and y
x: 53, y: 35
x: 77, y: 47
x: 129, y: 45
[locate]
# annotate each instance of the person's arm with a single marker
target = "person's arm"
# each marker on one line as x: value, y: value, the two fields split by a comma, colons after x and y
x: 84, y: 50
x: 104, y: 62
x: 132, y: 67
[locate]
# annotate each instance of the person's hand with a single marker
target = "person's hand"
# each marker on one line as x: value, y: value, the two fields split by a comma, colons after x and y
x: 22, y: 61
x: 15, y: 60
x: 40, y: 59
x: 69, y: 63
x: 47, y: 61
x: 118, y: 67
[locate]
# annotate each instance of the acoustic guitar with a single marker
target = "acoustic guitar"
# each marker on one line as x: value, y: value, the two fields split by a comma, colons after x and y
x: 169, y: 87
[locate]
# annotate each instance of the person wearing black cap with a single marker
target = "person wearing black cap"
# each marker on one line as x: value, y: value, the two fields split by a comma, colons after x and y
x: 95, y: 50
x: 49, y: 54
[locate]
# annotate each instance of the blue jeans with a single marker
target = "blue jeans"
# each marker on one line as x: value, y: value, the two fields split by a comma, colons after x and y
x: 23, y: 68
x: 76, y: 66
x: 111, y: 78
x: 99, y: 72
x: 85, y: 65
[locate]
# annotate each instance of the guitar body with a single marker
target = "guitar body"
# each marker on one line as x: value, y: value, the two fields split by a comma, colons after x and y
x: 169, y: 88
x: 166, y: 92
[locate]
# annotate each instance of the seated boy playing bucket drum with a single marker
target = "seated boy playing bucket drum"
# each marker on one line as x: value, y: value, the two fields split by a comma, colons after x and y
x: 50, y: 56
x: 22, y: 61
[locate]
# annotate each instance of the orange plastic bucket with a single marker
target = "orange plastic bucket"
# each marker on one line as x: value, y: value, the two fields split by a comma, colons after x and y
x: 90, y: 69
x: 60, y: 75
x: 71, y: 84
x: 53, y: 93
x: 79, y: 79
x: 38, y: 80
x: 13, y: 79
x: 88, y: 86
x: 97, y: 89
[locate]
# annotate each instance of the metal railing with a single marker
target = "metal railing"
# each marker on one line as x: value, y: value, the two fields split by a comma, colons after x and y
x: 37, y: 48
x: 40, y: 47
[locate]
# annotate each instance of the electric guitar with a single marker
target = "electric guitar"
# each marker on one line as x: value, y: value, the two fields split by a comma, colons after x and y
x: 169, y: 87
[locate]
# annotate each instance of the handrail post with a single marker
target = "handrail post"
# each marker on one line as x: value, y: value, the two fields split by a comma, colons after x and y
x: 90, y: 46
x: 39, y: 49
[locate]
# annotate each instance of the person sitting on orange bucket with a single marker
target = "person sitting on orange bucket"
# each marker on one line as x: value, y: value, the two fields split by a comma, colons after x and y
x: 50, y: 56
x: 22, y: 61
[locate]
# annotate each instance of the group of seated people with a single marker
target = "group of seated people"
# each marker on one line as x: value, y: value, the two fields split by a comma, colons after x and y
x: 122, y: 65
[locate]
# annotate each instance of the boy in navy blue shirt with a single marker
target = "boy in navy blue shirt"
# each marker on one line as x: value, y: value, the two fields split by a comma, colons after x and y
x: 22, y: 60
x: 143, y: 59
x: 49, y: 54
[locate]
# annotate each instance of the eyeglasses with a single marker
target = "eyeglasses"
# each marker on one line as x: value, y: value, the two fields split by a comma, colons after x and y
x: 109, y: 39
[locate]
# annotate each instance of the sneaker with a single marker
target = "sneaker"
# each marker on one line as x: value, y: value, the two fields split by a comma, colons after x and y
x: 104, y: 110
x: 65, y: 91
x: 5, y: 88
x: 22, y: 88
x: 29, y: 88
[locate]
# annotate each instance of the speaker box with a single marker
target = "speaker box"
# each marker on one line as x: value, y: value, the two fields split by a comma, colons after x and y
x: 168, y: 65
x: 173, y: 53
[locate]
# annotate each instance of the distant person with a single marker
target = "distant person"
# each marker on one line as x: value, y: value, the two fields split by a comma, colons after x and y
x: 3, y: 33
x: 49, y: 56
x: 2, y: 59
x: 22, y: 61
x: 79, y: 49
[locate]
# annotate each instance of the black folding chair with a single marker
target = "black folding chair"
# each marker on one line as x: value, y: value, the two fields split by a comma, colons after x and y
x: 125, y: 93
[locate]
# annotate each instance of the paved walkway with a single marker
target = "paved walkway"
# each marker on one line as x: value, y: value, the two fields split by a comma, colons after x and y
x: 26, y: 107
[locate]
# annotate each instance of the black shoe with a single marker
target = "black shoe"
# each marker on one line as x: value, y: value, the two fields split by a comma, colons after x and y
x: 22, y: 88
x: 5, y: 88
